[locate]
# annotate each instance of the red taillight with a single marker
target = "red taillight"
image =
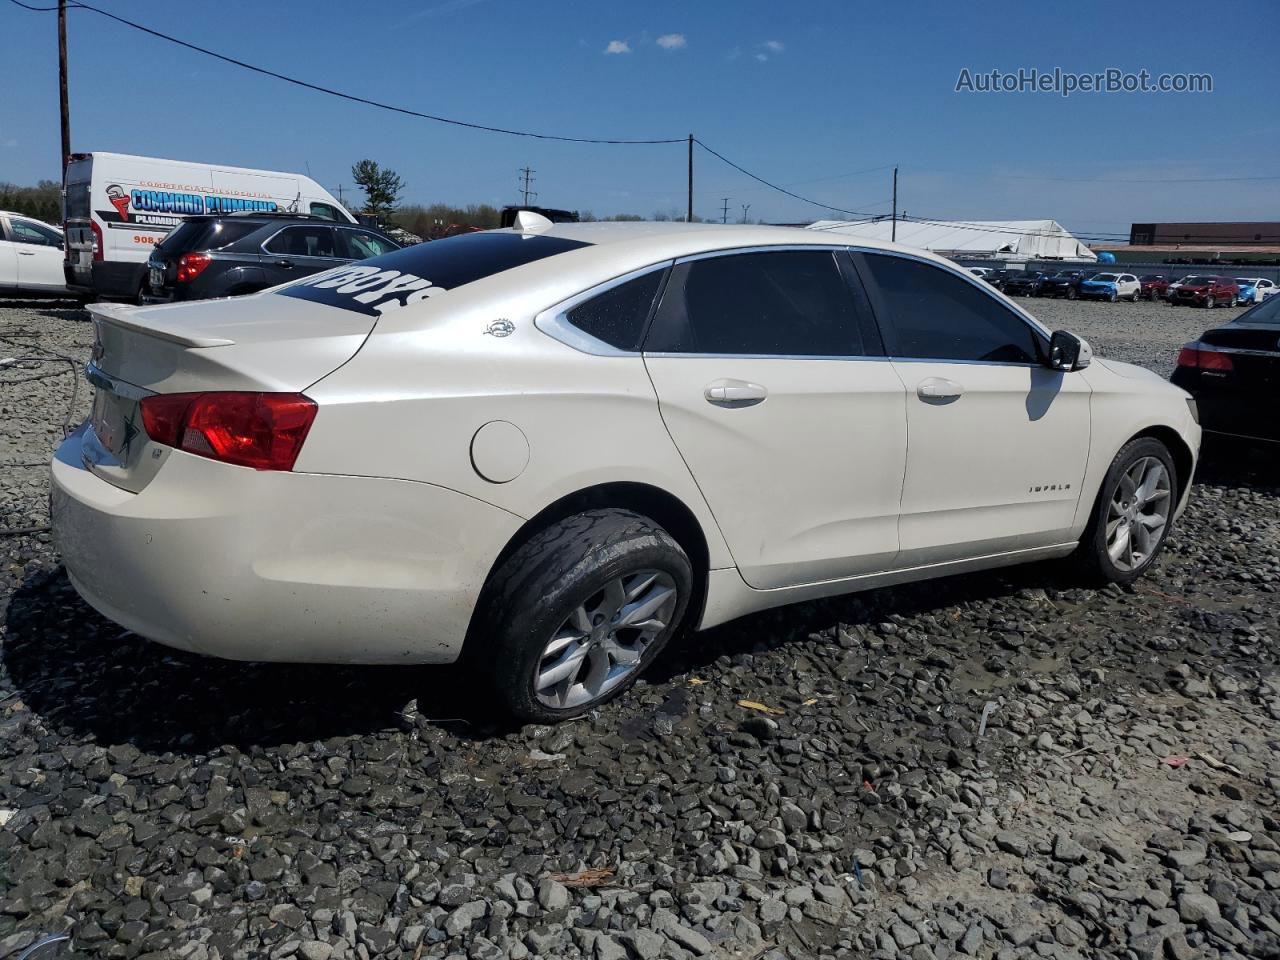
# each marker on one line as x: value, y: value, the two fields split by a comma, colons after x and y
x: 1199, y: 357
x: 191, y: 265
x: 97, y: 240
x: 260, y: 430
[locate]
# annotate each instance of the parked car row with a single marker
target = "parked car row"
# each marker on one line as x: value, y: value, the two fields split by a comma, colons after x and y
x: 1202, y: 291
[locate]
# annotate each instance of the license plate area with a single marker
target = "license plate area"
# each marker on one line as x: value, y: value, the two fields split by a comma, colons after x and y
x: 157, y: 277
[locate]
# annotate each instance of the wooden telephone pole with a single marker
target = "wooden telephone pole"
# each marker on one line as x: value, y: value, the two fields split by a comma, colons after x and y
x: 894, y: 229
x: 688, y: 216
x: 62, y: 84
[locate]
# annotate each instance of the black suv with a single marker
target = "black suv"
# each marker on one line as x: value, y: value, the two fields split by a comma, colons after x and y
x: 1026, y: 284
x: 1064, y: 283
x: 224, y: 256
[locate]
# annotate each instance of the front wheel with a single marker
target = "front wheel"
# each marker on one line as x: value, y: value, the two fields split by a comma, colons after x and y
x: 1112, y: 297
x: 1132, y: 514
x: 1073, y: 293
x: 574, y: 616
x: 1210, y: 302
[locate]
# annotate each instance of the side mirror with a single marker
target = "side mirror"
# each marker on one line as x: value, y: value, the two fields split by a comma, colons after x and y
x: 1067, y: 352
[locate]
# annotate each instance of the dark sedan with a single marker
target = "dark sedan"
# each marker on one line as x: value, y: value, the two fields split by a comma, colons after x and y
x: 1064, y: 283
x: 998, y: 278
x: 1233, y: 372
x: 1026, y: 284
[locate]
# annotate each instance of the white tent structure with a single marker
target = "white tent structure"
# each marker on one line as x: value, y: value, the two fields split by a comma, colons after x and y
x: 1018, y: 240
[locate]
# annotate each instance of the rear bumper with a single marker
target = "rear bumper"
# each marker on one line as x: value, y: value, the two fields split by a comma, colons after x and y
x: 258, y: 565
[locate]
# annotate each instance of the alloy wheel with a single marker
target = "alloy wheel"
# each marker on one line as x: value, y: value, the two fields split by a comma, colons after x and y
x: 1138, y: 514
x: 603, y: 640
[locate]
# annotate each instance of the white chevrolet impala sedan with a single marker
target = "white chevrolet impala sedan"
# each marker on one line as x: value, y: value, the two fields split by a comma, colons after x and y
x: 553, y: 448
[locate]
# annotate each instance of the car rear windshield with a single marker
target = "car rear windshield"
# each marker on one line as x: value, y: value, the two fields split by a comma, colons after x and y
x: 1267, y: 312
x: 404, y: 276
x: 205, y: 235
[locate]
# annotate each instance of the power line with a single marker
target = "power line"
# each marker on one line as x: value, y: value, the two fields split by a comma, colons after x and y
x: 338, y: 93
x: 767, y: 183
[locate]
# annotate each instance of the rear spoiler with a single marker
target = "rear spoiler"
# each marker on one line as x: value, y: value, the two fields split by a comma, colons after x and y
x: 123, y: 316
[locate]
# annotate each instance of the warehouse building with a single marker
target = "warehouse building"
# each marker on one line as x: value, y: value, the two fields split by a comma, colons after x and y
x: 1015, y: 241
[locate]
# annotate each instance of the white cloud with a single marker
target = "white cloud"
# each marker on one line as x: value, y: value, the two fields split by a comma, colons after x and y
x: 618, y: 46
x: 773, y: 46
x: 672, y: 41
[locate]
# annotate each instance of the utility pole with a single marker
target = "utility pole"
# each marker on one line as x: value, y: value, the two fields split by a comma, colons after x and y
x: 724, y: 209
x: 895, y: 205
x: 526, y: 178
x: 338, y: 190
x: 62, y: 85
x: 688, y: 217
x: 745, y: 208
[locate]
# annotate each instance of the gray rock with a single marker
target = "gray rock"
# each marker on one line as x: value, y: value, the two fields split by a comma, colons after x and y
x: 463, y: 917
x: 1195, y: 907
x: 552, y: 895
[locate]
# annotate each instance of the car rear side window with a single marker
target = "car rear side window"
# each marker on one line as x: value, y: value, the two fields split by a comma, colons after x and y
x: 777, y: 303
x: 309, y: 241
x: 617, y: 316
x: 361, y: 244
x: 935, y: 315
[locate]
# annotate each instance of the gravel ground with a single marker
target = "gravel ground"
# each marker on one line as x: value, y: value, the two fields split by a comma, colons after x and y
x: 1118, y: 801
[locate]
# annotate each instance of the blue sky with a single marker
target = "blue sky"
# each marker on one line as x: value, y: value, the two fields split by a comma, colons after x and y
x: 814, y: 96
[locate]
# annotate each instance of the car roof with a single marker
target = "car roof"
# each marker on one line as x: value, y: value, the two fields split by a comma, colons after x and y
x: 27, y: 216
x: 674, y: 238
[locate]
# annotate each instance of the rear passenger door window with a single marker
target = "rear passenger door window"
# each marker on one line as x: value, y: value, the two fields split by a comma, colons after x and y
x: 928, y: 313
x: 785, y: 303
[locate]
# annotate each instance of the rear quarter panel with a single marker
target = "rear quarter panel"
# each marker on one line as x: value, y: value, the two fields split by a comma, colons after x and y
x: 409, y: 404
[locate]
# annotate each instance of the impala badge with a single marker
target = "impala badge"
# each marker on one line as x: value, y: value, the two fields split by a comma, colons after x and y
x: 501, y: 328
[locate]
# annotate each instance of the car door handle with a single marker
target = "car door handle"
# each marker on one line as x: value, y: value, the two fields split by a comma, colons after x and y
x: 734, y: 393
x: 26, y: 253
x: 939, y: 390
x: 284, y: 263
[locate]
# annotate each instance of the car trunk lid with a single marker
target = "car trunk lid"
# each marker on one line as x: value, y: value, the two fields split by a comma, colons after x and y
x: 246, y: 343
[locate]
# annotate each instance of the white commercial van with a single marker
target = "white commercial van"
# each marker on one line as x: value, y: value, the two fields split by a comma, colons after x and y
x: 117, y: 207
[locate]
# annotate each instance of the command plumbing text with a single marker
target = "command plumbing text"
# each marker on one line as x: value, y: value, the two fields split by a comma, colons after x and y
x: 162, y: 201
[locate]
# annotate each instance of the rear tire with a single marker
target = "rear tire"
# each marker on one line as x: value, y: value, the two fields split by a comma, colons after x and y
x: 554, y: 622
x: 1109, y: 554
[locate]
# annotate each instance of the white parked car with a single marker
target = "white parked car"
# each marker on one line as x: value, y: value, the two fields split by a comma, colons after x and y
x: 30, y: 256
x: 551, y: 447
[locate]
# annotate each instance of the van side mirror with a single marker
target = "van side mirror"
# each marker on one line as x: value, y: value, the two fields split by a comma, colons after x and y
x: 1067, y: 352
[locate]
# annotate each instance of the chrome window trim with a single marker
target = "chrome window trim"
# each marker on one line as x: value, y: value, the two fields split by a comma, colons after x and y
x: 304, y: 256
x: 759, y: 248
x: 554, y: 321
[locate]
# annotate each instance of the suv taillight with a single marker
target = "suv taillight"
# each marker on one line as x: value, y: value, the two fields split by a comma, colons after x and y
x: 1197, y: 356
x: 191, y: 265
x: 260, y: 430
